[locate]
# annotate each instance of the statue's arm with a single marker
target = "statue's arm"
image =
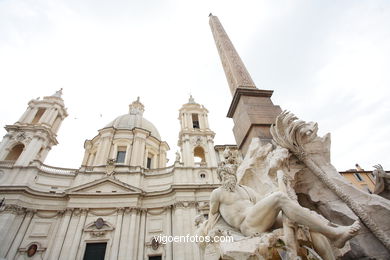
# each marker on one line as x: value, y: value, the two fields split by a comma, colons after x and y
x: 214, y: 203
x: 214, y: 211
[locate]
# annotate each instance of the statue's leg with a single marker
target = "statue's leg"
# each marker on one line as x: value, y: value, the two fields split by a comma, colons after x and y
x: 322, y: 246
x: 262, y: 216
x: 311, y: 219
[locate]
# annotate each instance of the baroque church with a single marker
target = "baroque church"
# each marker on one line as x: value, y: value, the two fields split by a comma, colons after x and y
x: 122, y: 196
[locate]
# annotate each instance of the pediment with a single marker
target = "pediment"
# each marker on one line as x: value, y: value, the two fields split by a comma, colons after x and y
x: 105, y: 186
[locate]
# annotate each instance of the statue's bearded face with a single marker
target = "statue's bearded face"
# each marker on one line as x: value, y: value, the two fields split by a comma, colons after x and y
x: 229, y: 181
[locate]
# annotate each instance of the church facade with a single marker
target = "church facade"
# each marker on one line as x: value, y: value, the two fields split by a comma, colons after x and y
x: 122, y: 196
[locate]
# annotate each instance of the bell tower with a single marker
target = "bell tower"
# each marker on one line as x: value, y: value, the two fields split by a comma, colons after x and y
x: 196, y: 140
x: 33, y: 135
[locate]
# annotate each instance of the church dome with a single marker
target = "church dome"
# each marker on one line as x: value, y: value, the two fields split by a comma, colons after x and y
x: 129, y: 121
x: 134, y: 119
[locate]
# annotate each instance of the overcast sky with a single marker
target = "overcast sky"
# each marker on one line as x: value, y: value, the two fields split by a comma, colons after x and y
x: 327, y: 61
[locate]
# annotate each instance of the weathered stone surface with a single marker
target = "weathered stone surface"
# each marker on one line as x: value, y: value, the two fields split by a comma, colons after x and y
x: 301, y: 139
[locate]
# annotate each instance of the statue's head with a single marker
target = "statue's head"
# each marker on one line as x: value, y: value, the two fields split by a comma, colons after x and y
x: 227, y: 175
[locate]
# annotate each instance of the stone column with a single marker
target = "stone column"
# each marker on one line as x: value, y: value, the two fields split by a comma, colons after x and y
x: 138, y: 153
x: 46, y: 116
x: 141, y: 245
x: 206, y: 121
x: 4, y: 152
x: 185, y: 121
x: 195, y: 247
x: 189, y: 121
x: 202, y: 125
x: 70, y: 234
x: 25, y: 114
x: 53, y: 116
x: 187, y: 223
x: 30, y: 151
x: 124, y: 238
x: 168, y: 250
x: 20, y: 235
x: 117, y: 235
x: 212, y: 156
x: 101, y: 151
x: 11, y: 218
x: 60, y: 236
x: 133, y: 234
x: 187, y: 152
x: 178, y: 229
x: 31, y: 115
x: 76, y: 240
x: 56, y: 124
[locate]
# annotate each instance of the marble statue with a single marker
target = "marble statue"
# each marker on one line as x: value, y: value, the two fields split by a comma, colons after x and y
x: 252, y: 214
x: 301, y: 139
x: 177, y: 157
x: 382, y: 182
x: 258, y: 204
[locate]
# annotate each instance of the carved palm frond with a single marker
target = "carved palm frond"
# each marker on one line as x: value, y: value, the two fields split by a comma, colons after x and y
x: 291, y: 133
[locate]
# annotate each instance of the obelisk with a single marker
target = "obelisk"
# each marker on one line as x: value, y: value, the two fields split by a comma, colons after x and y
x: 251, y: 108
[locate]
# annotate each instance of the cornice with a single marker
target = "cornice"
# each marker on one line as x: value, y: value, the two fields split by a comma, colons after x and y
x: 252, y: 92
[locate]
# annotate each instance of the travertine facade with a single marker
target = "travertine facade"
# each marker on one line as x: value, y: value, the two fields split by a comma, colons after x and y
x: 122, y: 195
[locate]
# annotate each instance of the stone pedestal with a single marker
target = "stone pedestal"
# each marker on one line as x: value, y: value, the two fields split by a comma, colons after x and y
x: 253, y: 114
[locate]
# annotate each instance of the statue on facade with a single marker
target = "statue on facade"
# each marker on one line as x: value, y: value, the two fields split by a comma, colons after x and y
x: 178, y: 157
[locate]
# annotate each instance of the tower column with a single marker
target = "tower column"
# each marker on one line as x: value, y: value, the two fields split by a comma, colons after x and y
x: 46, y: 116
x: 30, y: 152
x: 3, y: 145
x: 31, y: 115
x: 25, y: 114
x: 53, y: 116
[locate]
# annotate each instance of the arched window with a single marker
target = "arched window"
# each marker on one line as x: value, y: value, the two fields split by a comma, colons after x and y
x: 199, y: 156
x: 15, y: 152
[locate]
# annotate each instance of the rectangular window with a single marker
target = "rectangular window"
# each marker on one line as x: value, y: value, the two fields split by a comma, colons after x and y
x: 121, y: 154
x: 149, y: 162
x: 195, y: 121
x: 358, y: 176
x: 155, y: 257
x: 95, y: 251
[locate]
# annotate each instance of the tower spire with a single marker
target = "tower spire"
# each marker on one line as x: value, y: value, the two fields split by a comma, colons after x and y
x: 235, y: 71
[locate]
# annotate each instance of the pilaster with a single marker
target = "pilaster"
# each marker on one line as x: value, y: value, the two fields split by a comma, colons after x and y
x: 20, y: 235
x: 60, y: 236
x: 79, y: 231
x: 117, y: 234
